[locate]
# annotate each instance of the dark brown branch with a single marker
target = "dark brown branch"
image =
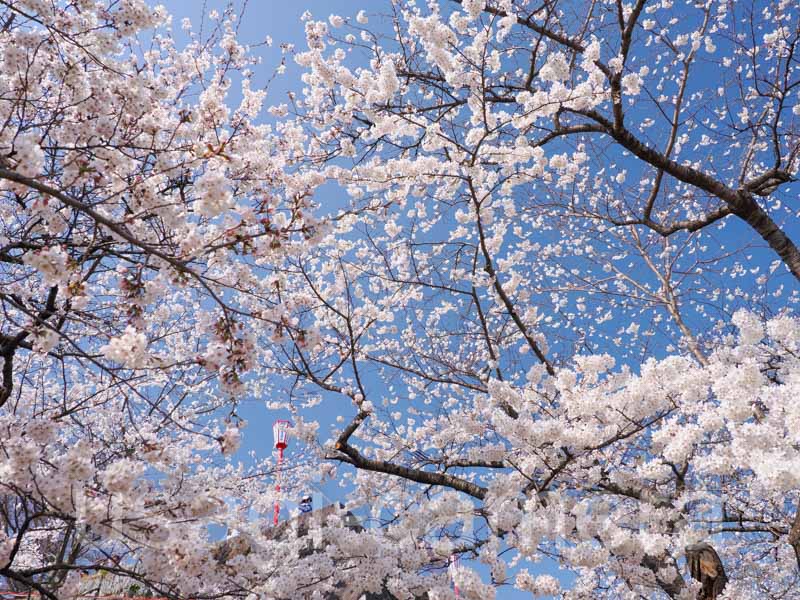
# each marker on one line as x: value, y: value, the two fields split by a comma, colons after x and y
x: 741, y: 201
x: 10, y: 344
x: 359, y: 461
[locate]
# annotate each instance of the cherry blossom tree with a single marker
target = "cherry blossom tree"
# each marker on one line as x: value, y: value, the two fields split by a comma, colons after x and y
x: 139, y: 217
x: 536, y: 256
x: 561, y: 297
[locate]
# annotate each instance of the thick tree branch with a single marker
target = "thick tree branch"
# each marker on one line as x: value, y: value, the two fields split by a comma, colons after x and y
x: 9, y: 345
x: 740, y: 202
x: 358, y: 460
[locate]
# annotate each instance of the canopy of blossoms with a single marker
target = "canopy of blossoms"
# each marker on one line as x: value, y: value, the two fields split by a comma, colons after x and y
x: 536, y: 259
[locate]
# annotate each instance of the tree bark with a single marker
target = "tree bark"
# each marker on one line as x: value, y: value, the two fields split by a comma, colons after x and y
x: 742, y: 202
x: 749, y: 210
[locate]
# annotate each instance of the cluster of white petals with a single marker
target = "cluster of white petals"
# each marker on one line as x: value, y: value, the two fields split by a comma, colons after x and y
x: 129, y: 349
